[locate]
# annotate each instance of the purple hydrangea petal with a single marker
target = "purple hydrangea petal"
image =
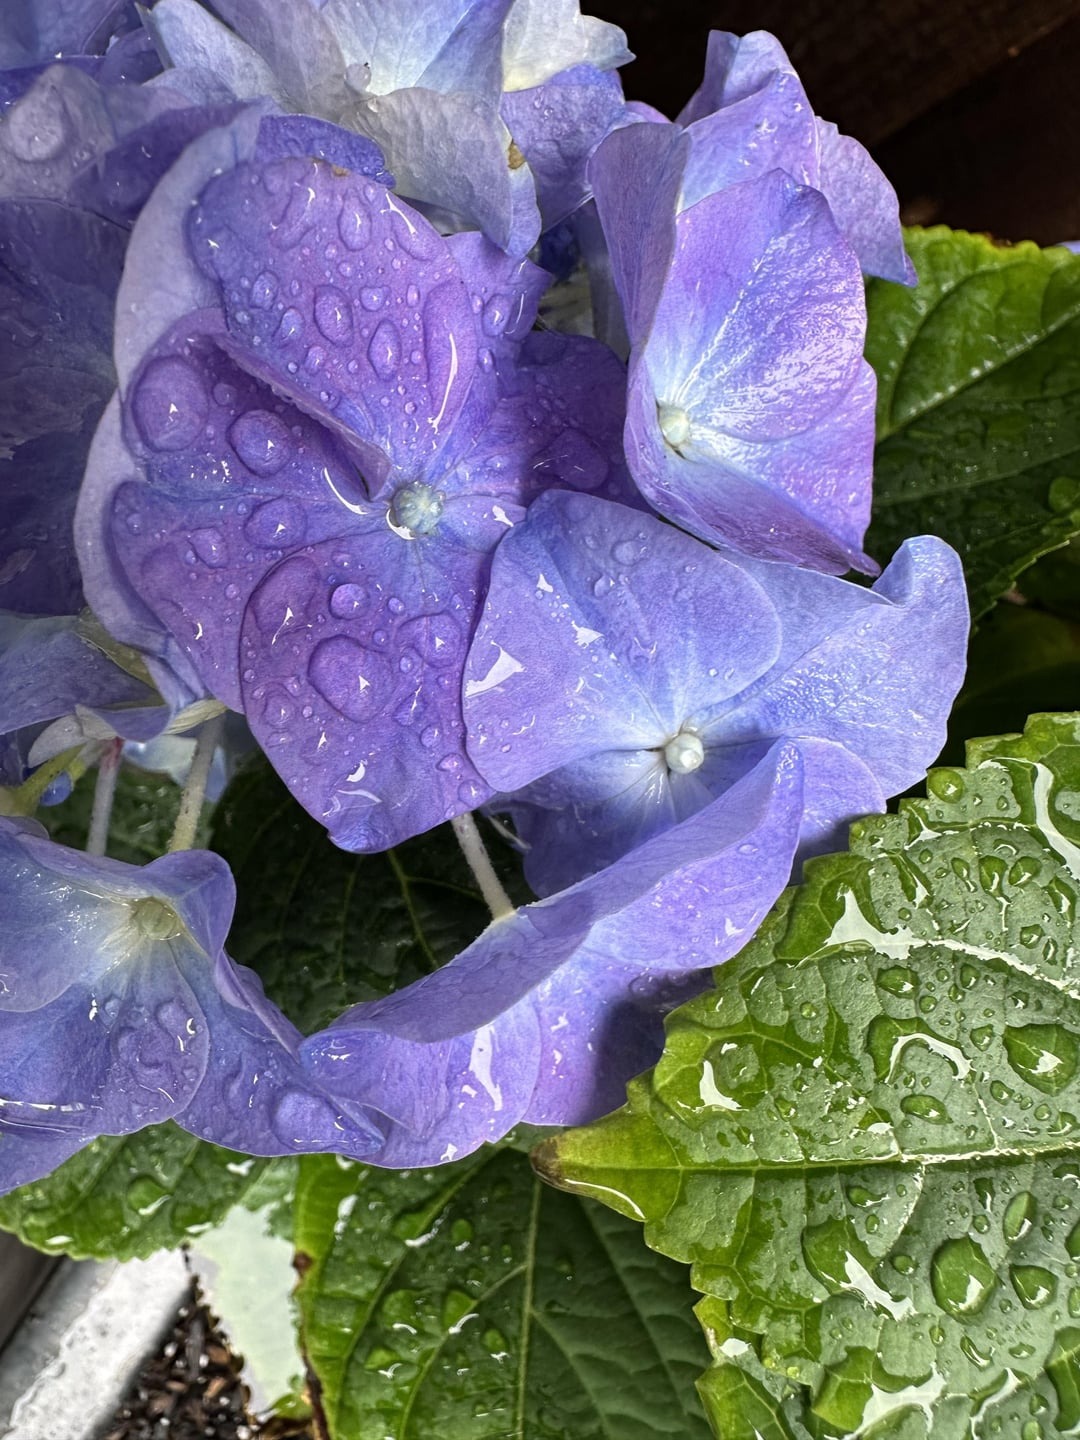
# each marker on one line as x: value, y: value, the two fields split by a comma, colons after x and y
x: 736, y: 67
x: 254, y: 1095
x: 558, y: 423
x: 557, y: 126
x: 101, y: 1031
x: 504, y: 293
x: 864, y: 204
x: 545, y: 36
x: 838, y: 789
x: 469, y: 58
x: 874, y: 670
x: 635, y: 175
x: 109, y: 592
x: 31, y: 33
x: 603, y: 628
x: 588, y: 973
x: 188, y: 36
x: 771, y: 129
x: 59, y: 269
x: 161, y: 281
x: 352, y: 305
x: 282, y: 137
x: 231, y: 480
x: 298, y: 44
x: 454, y: 152
x: 351, y: 660
x: 790, y: 499
x: 752, y: 77
x: 770, y: 353
x: 48, y: 666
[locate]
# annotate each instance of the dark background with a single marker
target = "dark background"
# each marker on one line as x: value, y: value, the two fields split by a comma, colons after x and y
x: 971, y: 107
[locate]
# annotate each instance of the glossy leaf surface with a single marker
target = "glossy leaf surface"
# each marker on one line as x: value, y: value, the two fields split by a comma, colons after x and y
x: 472, y: 1301
x: 978, y: 423
x: 866, y: 1139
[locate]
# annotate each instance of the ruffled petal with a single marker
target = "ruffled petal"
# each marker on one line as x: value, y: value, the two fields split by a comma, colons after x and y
x: 565, y: 996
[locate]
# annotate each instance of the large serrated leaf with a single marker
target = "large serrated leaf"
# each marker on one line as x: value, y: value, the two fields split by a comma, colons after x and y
x: 472, y: 1302
x: 326, y: 929
x: 978, y: 404
x: 867, y: 1141
x: 127, y: 1196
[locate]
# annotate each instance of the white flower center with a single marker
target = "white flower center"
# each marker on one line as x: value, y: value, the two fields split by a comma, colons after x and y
x: 417, y: 508
x: 674, y: 424
x: 684, y: 753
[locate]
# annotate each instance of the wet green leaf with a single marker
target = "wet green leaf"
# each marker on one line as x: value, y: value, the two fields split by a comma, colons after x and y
x: 978, y: 404
x: 866, y: 1141
x: 326, y: 929
x: 1054, y: 581
x: 143, y: 815
x: 127, y: 1196
x: 472, y: 1302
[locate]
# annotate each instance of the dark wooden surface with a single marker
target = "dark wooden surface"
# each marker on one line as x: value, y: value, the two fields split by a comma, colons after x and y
x: 969, y: 105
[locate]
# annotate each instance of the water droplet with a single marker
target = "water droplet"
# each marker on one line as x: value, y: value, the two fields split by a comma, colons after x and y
x: 333, y: 314
x: 209, y: 546
x: 496, y: 314
x: 373, y: 297
x: 961, y: 1277
x: 354, y: 226
x: 277, y: 525
x: 384, y: 351
x: 897, y: 980
x: 355, y: 680
x: 348, y: 601
x: 264, y: 288
x: 1035, y: 1286
x: 1046, y: 1056
x: 1019, y: 1216
x: 291, y: 324
x: 262, y: 441
x: 925, y: 1107
x: 170, y: 405
x: 145, y: 1195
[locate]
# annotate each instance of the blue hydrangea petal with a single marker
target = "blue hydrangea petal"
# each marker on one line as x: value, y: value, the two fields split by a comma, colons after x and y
x: 109, y: 592
x: 345, y: 296
x: 736, y: 67
x: 161, y: 281
x: 586, y: 643
x: 351, y: 658
x: 543, y: 37
x: 769, y: 354
x: 59, y: 269
x: 298, y: 45
x: 864, y: 204
x: 254, y: 1095
x: 188, y: 36
x: 636, y: 174
x: 231, y: 480
x: 557, y: 126
x: 592, y: 969
x: 48, y: 666
x: 31, y: 33
x: 792, y: 500
x: 874, y: 670
x: 454, y: 152
x: 282, y: 137
x: 771, y: 129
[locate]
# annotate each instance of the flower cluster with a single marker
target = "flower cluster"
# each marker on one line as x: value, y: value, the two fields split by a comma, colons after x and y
x: 487, y: 442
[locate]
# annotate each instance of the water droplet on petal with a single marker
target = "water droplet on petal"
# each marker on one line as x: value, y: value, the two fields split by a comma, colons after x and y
x: 262, y: 441
x: 384, y: 351
x: 354, y: 680
x: 170, y: 404
x: 333, y: 314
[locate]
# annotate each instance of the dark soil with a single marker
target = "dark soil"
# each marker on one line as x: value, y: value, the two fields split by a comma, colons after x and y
x: 192, y: 1390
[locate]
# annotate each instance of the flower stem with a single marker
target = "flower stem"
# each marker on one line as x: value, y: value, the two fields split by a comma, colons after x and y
x: 24, y: 799
x: 472, y: 847
x: 104, y: 793
x: 194, y: 791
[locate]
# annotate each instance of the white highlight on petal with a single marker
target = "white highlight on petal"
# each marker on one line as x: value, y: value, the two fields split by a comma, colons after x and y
x: 505, y: 667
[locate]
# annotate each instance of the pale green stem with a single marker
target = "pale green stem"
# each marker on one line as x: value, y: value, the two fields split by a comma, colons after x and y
x: 24, y: 799
x: 104, y: 792
x: 194, y: 791
x: 472, y: 847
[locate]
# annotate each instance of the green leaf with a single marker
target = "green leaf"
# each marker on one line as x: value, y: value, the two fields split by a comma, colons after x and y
x: 326, y: 929
x: 127, y: 1196
x: 978, y: 404
x: 143, y: 815
x: 472, y: 1302
x: 867, y: 1141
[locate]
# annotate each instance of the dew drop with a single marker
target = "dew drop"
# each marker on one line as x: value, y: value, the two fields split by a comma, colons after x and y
x: 961, y: 1277
x: 384, y: 351
x: 262, y: 441
x: 333, y: 314
x: 170, y: 405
